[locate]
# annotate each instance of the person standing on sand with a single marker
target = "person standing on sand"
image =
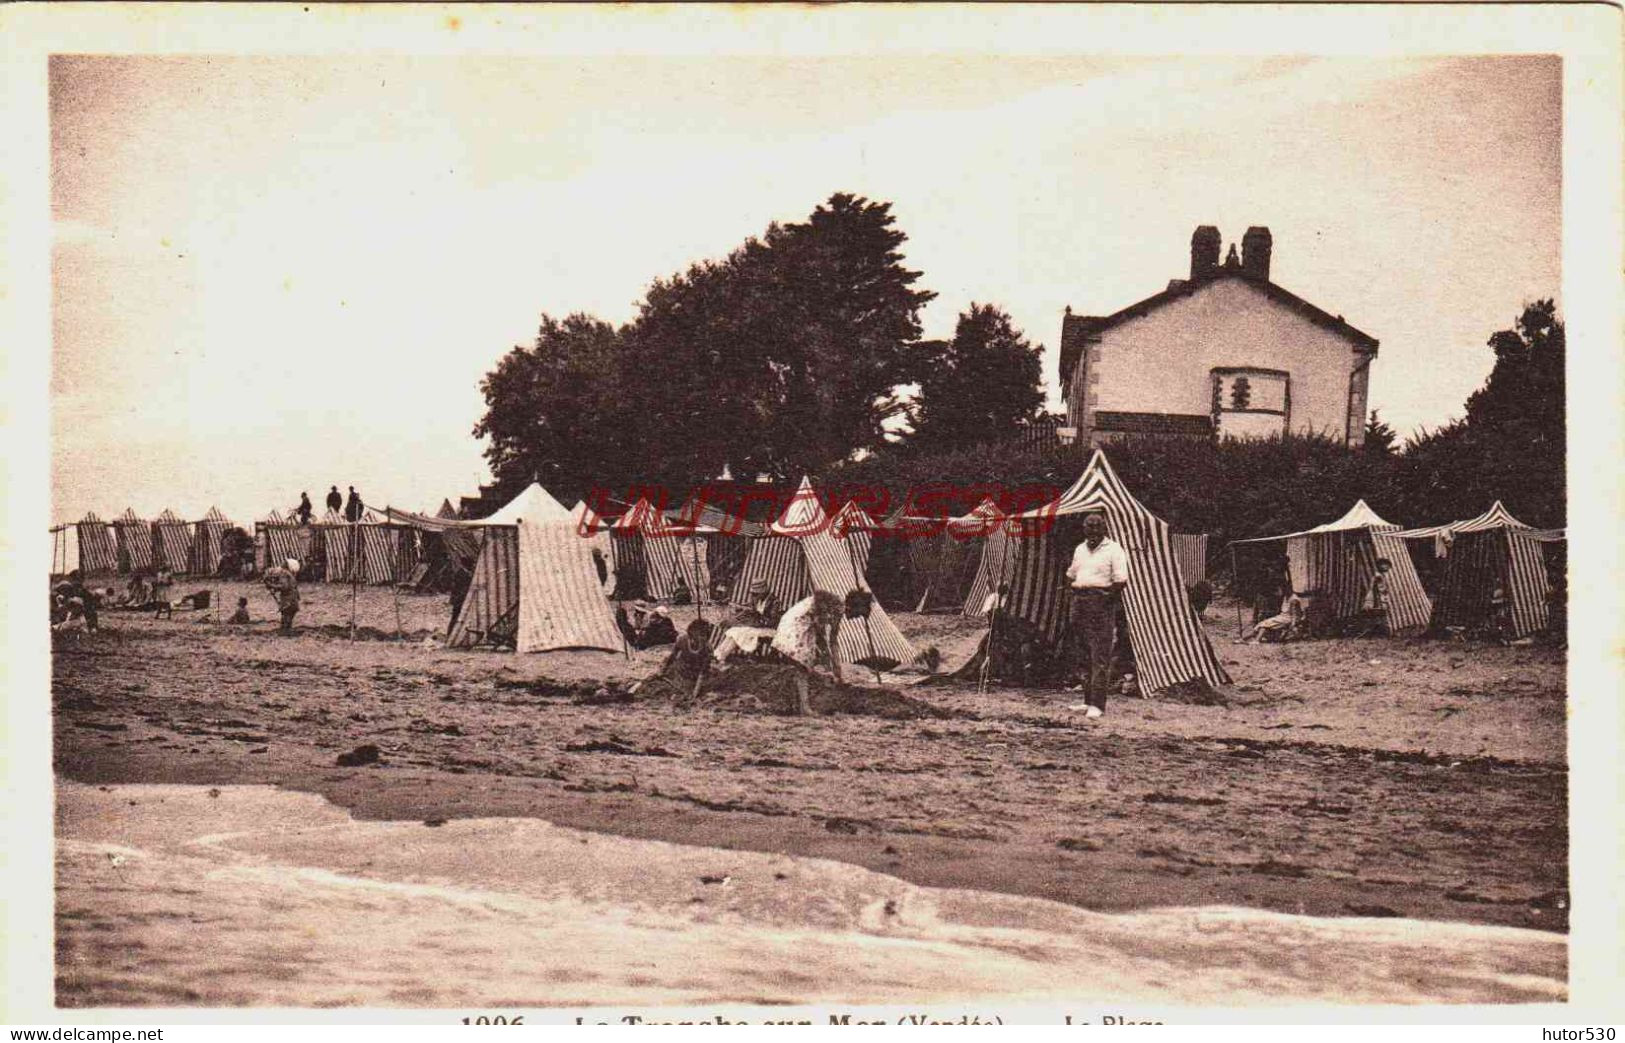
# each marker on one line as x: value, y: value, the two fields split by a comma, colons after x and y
x: 335, y: 500
x: 283, y: 583
x: 1097, y: 576
x: 353, y: 508
x: 807, y: 635
x: 304, y: 509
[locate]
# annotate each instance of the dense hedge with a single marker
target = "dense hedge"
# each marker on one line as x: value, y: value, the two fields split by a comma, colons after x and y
x: 1241, y: 489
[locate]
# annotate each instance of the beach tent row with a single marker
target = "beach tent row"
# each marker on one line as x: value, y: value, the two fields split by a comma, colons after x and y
x: 374, y: 550
x: 128, y: 544
x: 1491, y: 552
x: 1337, y: 561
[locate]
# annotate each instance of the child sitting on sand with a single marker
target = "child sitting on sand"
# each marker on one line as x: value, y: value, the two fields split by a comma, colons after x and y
x: 241, y: 615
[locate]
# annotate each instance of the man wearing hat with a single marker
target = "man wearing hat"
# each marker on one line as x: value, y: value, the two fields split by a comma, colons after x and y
x: 751, y: 624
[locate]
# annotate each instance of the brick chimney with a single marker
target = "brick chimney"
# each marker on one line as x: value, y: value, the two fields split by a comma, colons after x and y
x: 1255, y: 252
x: 1204, y: 251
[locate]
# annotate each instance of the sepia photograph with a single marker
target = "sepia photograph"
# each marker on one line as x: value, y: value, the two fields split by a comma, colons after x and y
x: 543, y: 530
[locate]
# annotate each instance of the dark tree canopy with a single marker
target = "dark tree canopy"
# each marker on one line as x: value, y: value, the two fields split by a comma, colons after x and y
x: 980, y: 387
x: 780, y: 359
x: 1512, y: 444
x: 554, y: 412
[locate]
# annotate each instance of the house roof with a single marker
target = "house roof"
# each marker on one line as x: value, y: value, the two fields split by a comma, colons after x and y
x: 1076, y: 330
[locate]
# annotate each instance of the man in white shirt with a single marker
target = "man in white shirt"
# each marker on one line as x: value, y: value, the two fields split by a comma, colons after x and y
x: 1097, y: 576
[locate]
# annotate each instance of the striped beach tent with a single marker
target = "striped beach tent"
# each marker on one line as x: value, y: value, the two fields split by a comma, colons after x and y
x: 1190, y: 550
x: 282, y: 538
x: 98, y: 549
x: 995, y: 557
x: 727, y: 538
x: 1169, y: 645
x: 945, y: 555
x: 534, y: 583
x: 1337, y: 561
x: 1493, y: 550
x: 208, y: 543
x: 834, y: 563
x: 134, y: 538
x: 778, y: 562
x: 172, y: 543
x: 363, y: 552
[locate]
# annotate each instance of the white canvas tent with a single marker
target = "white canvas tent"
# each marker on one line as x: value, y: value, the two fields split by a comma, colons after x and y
x: 535, y: 580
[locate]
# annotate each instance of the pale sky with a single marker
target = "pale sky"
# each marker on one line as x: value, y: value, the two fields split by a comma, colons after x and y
x: 276, y: 274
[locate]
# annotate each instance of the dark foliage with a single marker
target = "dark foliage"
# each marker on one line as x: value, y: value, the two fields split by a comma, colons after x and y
x: 982, y: 386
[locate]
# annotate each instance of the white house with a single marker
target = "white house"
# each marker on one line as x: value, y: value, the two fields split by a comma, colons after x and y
x: 1224, y: 351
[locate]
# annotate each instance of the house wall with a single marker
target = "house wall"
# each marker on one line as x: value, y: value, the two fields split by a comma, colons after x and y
x: 1163, y: 362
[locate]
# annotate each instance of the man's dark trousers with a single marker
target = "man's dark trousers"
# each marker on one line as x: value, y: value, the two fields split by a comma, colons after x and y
x: 1093, y: 625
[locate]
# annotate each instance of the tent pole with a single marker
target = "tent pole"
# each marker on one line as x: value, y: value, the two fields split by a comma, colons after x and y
x: 354, y: 593
x: 394, y: 575
x: 1235, y: 586
x: 852, y: 557
x: 993, y: 622
x: 699, y: 595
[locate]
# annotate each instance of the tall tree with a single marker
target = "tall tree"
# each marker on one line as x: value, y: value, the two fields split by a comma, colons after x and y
x: 784, y: 357
x: 979, y: 387
x: 1512, y: 444
x: 556, y: 412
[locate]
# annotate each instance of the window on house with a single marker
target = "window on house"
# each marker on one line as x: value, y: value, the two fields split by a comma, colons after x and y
x: 1250, y: 402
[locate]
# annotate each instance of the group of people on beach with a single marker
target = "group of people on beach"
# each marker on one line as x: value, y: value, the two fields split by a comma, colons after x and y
x: 351, y: 508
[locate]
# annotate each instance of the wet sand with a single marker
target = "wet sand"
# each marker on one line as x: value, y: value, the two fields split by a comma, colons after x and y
x: 1360, y: 779
x: 249, y: 896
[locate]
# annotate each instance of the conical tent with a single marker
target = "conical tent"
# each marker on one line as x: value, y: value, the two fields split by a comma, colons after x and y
x: 535, y: 580
x: 208, y: 543
x: 1483, y: 553
x: 1169, y: 645
x: 98, y: 549
x: 134, y: 538
x: 833, y: 563
x: 172, y: 543
x: 446, y: 510
x: 534, y: 505
x: 989, y: 527
x: 1338, y: 560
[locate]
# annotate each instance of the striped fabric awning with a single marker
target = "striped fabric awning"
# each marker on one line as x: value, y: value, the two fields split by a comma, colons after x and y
x: 673, y: 563
x: 833, y: 565
x: 1494, y: 551
x: 1170, y: 647
x: 992, y: 572
x: 98, y: 549
x: 561, y: 603
x: 778, y: 562
x: 1190, y: 551
x: 285, y: 541
x: 492, y: 602
x: 366, y: 552
x: 135, y: 543
x: 172, y: 543
x: 1337, y: 562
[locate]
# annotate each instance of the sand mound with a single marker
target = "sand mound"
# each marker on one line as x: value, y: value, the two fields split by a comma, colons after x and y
x: 769, y: 688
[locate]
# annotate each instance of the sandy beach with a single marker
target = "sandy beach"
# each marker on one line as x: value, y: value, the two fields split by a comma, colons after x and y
x: 1410, y: 797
